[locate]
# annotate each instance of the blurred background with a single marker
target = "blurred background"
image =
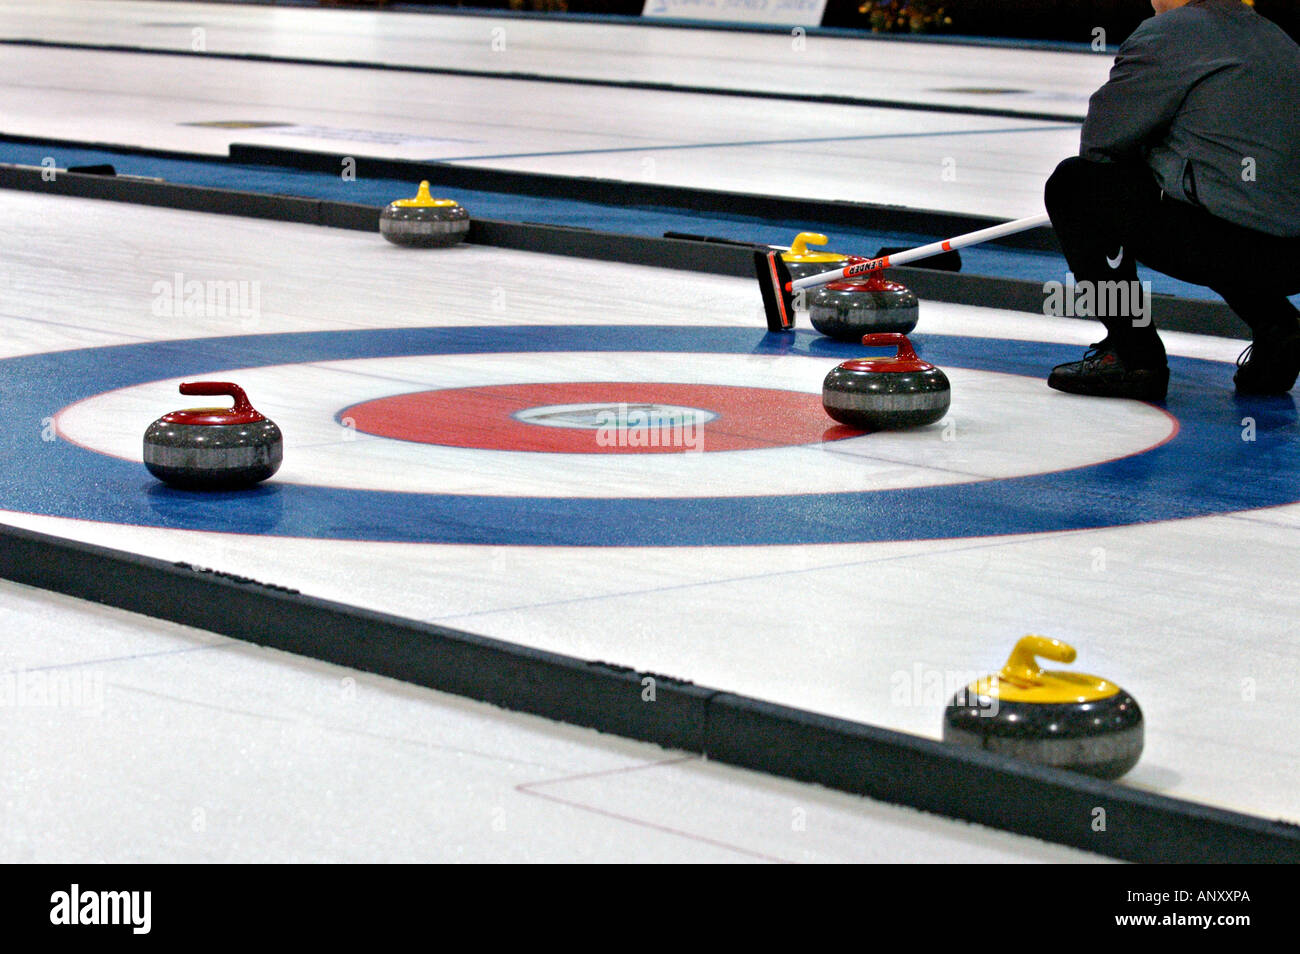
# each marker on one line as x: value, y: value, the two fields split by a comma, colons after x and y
x: 1064, y: 20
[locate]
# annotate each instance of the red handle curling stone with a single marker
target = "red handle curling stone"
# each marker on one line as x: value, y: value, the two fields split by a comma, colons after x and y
x: 213, y: 447
x: 846, y: 310
x: 886, y: 393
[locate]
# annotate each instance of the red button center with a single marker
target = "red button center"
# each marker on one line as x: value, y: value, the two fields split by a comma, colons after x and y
x: 600, y: 417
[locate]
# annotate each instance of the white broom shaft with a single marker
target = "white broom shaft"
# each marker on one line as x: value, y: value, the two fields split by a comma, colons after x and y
x: 924, y: 251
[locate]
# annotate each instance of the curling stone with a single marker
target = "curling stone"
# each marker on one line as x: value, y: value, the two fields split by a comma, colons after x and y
x: 1067, y: 720
x: 213, y: 447
x: 886, y: 393
x: 850, y: 309
x: 424, y: 222
x: 802, y: 262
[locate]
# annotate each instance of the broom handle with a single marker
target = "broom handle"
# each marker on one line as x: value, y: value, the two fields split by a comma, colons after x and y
x: 924, y: 251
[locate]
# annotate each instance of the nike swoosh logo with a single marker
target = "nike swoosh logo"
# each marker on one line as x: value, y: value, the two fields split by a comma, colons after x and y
x: 1115, y: 262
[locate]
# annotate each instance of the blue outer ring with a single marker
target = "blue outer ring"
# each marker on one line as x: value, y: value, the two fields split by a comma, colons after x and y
x: 1207, y: 468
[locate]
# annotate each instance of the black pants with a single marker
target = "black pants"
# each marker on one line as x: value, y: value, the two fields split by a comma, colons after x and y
x: 1099, y: 207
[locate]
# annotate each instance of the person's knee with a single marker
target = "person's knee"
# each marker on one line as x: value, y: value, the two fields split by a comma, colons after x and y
x: 1069, y: 170
x: 1066, y: 186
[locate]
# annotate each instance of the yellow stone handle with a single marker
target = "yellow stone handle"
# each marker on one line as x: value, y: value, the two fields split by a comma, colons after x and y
x: 1022, y: 664
x: 424, y: 200
x: 804, y: 239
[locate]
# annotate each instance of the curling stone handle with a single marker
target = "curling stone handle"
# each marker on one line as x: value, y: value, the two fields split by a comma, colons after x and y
x: 889, y: 340
x: 209, y: 388
x: 804, y: 239
x: 1022, y: 664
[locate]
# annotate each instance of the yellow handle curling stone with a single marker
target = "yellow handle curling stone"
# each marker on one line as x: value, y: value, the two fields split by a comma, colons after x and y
x: 424, y: 222
x: 1069, y: 720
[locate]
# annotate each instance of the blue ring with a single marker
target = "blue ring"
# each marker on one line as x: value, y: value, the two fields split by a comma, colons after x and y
x: 1207, y: 468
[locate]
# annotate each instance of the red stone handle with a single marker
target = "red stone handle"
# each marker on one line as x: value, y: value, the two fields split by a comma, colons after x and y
x: 891, y: 339
x: 209, y: 388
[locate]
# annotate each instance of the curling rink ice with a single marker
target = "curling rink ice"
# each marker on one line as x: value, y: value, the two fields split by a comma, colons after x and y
x: 222, y: 751
x: 1033, y: 80
x: 781, y: 556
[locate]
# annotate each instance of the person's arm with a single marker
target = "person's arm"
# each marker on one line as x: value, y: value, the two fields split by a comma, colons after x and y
x: 1147, y: 85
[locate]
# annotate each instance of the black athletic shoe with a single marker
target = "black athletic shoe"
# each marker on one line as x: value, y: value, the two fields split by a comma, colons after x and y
x: 1269, y: 366
x: 1103, y: 373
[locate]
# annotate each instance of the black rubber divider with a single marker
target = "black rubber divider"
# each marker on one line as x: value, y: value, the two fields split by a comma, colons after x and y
x: 169, y: 195
x: 890, y: 766
x: 676, y: 254
x: 564, y: 80
x: 885, y: 218
x: 1170, y: 313
x: 977, y: 786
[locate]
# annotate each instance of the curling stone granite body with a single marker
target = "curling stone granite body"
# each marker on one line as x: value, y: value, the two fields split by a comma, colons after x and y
x: 848, y: 310
x: 1063, y: 719
x: 213, y: 447
x: 886, y: 393
x: 803, y: 261
x: 424, y: 222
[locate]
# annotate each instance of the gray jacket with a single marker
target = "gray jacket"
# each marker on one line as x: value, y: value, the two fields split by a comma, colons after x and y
x: 1209, y: 96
